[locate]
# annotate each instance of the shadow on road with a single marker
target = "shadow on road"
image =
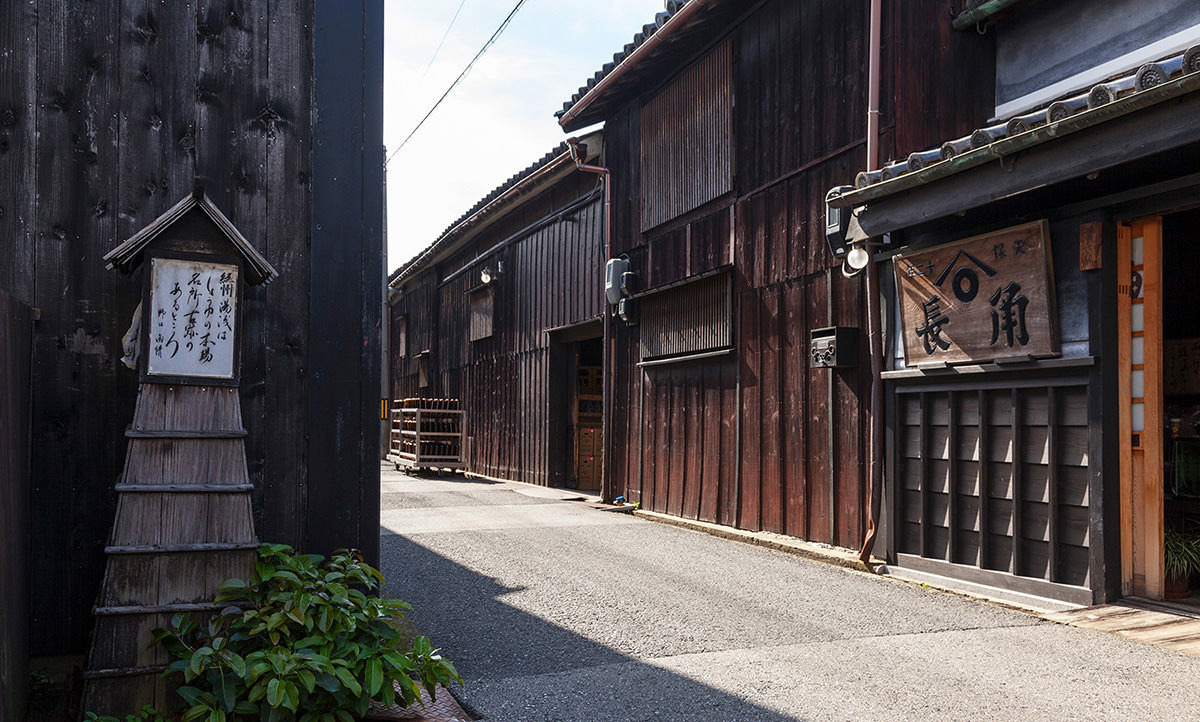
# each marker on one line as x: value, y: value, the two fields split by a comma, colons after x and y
x: 520, y: 667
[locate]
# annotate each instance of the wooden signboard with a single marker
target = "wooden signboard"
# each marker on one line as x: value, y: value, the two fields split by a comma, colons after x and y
x: 192, y: 319
x: 984, y: 298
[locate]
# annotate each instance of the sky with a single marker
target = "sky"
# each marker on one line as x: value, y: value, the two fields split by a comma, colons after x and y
x: 500, y: 117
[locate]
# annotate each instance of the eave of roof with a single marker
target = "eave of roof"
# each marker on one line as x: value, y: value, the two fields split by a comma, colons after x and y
x: 677, y: 33
x: 127, y: 256
x: 1151, y: 84
x: 547, y: 170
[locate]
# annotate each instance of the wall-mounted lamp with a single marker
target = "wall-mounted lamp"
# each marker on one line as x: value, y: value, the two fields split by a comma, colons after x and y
x: 488, y: 274
x: 858, y: 257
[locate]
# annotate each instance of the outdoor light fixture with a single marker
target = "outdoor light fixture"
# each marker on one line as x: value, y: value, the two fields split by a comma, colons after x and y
x: 487, y: 275
x: 858, y: 257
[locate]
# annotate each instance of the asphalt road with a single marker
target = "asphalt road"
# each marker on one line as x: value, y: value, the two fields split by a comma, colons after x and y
x: 554, y: 610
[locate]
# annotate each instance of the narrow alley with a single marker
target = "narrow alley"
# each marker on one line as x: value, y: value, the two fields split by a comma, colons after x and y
x: 553, y: 609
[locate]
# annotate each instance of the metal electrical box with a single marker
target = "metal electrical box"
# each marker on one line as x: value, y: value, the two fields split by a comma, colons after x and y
x: 613, y: 271
x: 834, y: 347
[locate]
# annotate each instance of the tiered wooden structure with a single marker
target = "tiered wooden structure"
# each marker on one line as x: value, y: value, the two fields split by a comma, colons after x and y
x: 184, y: 525
x: 184, y: 522
x: 427, y: 434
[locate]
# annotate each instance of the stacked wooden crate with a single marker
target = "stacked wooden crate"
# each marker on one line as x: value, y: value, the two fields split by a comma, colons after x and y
x: 427, y: 434
x: 589, y: 415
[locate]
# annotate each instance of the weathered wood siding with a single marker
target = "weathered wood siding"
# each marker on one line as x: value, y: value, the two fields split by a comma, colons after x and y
x: 16, y: 347
x: 553, y: 277
x: 760, y: 440
x: 109, y: 114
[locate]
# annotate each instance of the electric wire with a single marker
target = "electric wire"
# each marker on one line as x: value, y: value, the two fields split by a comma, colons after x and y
x: 443, y: 40
x: 461, y: 75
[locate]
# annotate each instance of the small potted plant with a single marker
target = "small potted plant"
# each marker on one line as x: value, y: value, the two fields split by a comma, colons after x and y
x: 1181, y: 559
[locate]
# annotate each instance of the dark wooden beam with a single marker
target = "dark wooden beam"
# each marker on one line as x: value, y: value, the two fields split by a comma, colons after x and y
x: 346, y: 280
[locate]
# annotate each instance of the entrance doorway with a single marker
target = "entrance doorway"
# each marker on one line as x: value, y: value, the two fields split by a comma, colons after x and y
x: 577, y: 407
x: 1159, y: 354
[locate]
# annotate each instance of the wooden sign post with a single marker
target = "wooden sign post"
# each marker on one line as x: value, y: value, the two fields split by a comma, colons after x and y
x: 184, y: 522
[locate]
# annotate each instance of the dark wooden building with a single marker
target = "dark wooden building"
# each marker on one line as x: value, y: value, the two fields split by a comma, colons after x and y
x: 112, y: 112
x: 502, y: 312
x: 725, y: 124
x: 1041, y: 381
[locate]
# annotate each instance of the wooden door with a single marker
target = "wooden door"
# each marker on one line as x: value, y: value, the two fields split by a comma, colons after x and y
x: 1139, y: 318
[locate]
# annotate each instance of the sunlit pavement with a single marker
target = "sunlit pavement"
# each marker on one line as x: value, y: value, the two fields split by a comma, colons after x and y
x: 554, y: 610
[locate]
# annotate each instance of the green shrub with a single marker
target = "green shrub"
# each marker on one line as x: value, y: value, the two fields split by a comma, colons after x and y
x: 301, y: 640
x: 148, y: 714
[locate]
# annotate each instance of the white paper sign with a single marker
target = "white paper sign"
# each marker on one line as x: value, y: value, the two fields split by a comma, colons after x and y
x: 193, y: 309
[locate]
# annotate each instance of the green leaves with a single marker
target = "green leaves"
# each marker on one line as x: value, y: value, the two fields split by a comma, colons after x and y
x: 303, y: 640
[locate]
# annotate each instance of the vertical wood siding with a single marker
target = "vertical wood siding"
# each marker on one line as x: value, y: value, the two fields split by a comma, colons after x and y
x: 685, y: 142
x: 109, y: 114
x: 798, y: 464
x: 16, y: 345
x: 553, y: 276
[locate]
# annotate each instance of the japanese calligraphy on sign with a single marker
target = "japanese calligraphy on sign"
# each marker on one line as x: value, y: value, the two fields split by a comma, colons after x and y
x: 979, y: 299
x: 192, y: 318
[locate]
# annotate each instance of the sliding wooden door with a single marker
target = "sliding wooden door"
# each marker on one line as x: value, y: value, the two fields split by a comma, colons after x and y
x: 1139, y: 318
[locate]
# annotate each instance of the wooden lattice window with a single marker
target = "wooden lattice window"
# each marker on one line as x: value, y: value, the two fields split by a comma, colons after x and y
x: 693, y: 318
x: 482, y: 311
x: 687, y: 140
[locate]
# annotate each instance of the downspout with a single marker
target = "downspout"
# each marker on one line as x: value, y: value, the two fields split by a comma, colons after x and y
x: 874, y: 339
x: 606, y: 390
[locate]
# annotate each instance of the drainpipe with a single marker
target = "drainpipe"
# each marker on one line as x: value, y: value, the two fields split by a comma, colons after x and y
x: 874, y: 339
x: 605, y: 420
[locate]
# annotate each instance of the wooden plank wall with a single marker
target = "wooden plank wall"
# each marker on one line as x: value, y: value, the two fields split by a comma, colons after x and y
x: 109, y: 114
x: 16, y: 353
x: 553, y: 276
x: 760, y: 440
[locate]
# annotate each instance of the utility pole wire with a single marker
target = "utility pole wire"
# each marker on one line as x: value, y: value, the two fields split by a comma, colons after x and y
x: 443, y: 40
x: 461, y: 75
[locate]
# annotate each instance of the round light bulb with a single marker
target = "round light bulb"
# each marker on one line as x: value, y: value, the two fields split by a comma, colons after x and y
x: 858, y: 258
x: 485, y: 276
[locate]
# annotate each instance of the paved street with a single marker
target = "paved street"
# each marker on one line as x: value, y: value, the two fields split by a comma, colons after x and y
x: 554, y: 610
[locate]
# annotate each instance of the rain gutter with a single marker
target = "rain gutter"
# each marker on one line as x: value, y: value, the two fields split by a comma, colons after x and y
x: 982, y: 13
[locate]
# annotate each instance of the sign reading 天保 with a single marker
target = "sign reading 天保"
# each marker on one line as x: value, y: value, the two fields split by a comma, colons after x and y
x: 979, y: 299
x: 192, y: 317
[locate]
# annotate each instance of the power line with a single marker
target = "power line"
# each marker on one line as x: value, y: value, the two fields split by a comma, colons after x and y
x: 443, y: 40
x: 461, y: 75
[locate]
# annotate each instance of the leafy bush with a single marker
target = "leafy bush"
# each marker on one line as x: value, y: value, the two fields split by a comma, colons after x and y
x: 301, y: 640
x: 148, y: 714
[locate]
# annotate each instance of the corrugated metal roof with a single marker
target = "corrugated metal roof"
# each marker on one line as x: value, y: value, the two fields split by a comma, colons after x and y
x: 987, y: 142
